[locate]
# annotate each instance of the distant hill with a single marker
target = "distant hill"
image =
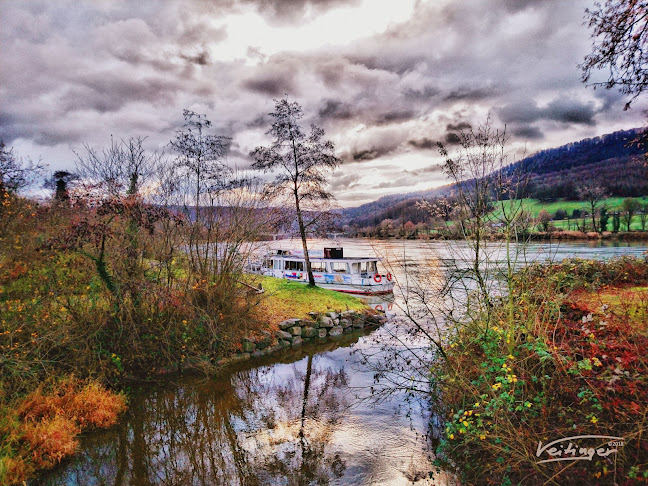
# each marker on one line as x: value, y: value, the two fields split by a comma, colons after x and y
x: 612, y: 161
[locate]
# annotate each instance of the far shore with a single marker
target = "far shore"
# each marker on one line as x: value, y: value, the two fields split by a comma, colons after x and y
x: 536, y: 236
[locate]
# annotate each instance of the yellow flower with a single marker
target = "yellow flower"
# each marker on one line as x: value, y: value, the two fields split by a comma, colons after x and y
x: 510, y: 356
x: 465, y: 424
x: 451, y: 436
x: 593, y: 420
x: 477, y: 405
x: 497, y: 386
x: 528, y: 404
x: 482, y: 437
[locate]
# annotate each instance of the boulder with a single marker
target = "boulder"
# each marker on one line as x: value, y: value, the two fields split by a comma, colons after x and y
x: 283, y: 335
x: 297, y: 341
x: 336, y: 331
x: 295, y: 331
x: 332, y: 315
x: 289, y: 323
x: 345, y: 323
x: 308, y: 332
x: 358, y: 324
x: 285, y: 343
x: 259, y: 353
x: 326, y: 322
x: 322, y: 333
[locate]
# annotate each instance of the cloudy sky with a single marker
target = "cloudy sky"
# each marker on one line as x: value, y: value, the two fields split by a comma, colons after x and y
x: 386, y: 79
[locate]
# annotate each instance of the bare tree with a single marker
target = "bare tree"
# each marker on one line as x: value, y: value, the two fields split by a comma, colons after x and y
x: 619, y: 42
x: 120, y: 169
x: 201, y: 166
x: 593, y: 195
x: 15, y: 173
x: 300, y: 162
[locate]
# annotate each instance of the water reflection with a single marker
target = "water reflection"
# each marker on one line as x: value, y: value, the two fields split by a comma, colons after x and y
x: 293, y: 423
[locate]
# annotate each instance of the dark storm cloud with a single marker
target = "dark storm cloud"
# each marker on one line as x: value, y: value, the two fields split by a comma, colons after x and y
x: 291, y: 11
x: 528, y: 132
x: 395, y: 116
x: 565, y: 110
x: 451, y: 138
x: 272, y: 85
x: 423, y: 143
x: 336, y: 110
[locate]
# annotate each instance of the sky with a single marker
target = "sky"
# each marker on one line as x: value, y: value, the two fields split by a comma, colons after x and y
x: 386, y: 79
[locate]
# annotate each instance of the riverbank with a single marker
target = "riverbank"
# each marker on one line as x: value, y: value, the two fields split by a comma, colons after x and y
x: 572, y: 362
x: 558, y: 235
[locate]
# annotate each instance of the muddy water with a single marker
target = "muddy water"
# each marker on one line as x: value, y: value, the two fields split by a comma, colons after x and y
x: 307, y: 416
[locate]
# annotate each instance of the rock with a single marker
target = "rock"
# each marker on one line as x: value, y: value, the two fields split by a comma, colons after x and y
x: 314, y: 315
x: 326, y: 322
x: 285, y: 343
x: 248, y: 346
x: 289, y: 323
x: 223, y: 361
x: 283, y: 335
x: 345, y: 323
x: 348, y: 314
x: 264, y: 342
x: 322, y: 333
x: 297, y: 341
x: 336, y: 331
x: 336, y: 321
x: 295, y: 331
x: 308, y: 332
x: 240, y: 357
x: 358, y: 324
x: 275, y: 348
x: 332, y: 315
x: 347, y: 330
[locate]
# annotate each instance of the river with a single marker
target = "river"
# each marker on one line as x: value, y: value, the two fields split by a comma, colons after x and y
x: 313, y: 415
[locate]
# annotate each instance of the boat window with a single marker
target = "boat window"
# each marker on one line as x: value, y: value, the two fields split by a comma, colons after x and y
x: 318, y: 266
x: 368, y: 267
x: 278, y: 264
x: 292, y: 265
x: 339, y: 267
x: 355, y: 267
x: 267, y: 263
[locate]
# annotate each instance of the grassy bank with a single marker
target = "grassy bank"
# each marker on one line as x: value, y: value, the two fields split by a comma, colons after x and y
x: 570, y: 360
x: 285, y: 299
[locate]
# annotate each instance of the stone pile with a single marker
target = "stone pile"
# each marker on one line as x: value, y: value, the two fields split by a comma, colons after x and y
x: 295, y: 332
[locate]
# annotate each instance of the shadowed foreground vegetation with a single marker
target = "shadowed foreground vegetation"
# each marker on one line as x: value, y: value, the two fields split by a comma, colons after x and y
x: 573, y: 362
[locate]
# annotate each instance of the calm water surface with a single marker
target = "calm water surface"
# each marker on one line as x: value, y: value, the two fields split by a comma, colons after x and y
x: 305, y: 417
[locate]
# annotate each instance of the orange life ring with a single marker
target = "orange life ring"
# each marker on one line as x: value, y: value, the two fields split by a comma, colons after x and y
x: 378, y: 278
x: 389, y: 277
x: 379, y: 307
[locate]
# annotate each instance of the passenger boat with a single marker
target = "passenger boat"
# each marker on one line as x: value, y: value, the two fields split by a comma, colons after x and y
x: 331, y: 270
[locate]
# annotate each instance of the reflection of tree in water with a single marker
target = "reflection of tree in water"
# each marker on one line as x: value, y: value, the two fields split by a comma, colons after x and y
x: 270, y: 425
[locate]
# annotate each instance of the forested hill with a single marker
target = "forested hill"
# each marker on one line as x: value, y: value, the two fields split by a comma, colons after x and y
x: 612, y: 161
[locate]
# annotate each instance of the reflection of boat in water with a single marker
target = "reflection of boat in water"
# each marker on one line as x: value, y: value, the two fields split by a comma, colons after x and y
x: 331, y: 270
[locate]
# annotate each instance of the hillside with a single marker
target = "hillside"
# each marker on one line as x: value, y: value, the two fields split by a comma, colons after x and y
x: 614, y: 162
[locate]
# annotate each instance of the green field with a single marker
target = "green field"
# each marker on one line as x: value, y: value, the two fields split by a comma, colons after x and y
x: 534, y: 206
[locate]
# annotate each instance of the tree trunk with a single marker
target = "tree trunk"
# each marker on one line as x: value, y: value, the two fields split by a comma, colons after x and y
x: 302, y: 233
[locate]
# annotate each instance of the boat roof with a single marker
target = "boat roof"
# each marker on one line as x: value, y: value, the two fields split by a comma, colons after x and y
x: 343, y: 259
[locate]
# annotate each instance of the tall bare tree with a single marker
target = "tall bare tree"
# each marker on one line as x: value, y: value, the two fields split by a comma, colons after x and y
x: 201, y: 166
x: 299, y: 162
